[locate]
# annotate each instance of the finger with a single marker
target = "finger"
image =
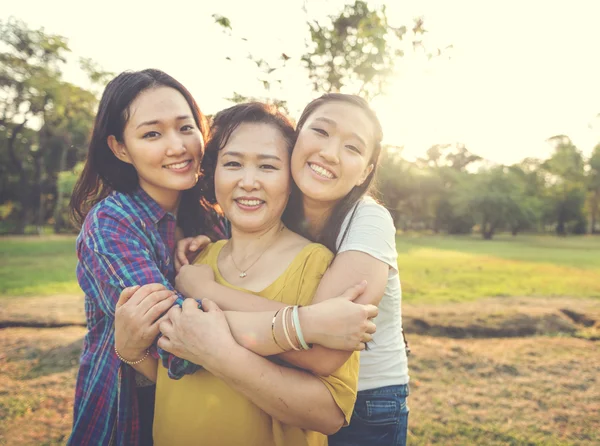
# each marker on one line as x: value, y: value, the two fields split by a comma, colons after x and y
x: 199, y: 242
x: 174, y: 313
x: 164, y: 342
x: 165, y: 327
x: 126, y: 295
x: 144, y: 291
x: 372, y: 311
x: 361, y: 346
x: 154, y: 298
x: 158, y: 310
x: 155, y: 327
x: 208, y: 306
x: 366, y: 337
x: 190, y: 305
x: 354, y: 291
x: 181, y: 252
x: 371, y: 327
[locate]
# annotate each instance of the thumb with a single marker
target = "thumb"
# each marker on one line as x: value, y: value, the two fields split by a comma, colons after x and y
x: 126, y: 295
x: 354, y: 291
x: 199, y: 242
x: 209, y: 306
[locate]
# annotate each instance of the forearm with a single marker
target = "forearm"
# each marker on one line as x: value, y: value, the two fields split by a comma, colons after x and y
x: 229, y: 299
x: 292, y: 396
x: 148, y: 367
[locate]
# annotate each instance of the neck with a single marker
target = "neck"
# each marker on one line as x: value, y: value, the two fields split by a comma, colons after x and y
x: 316, y: 214
x: 248, y: 244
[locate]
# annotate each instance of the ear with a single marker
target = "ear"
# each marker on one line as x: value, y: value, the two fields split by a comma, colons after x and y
x: 365, y: 174
x: 118, y: 149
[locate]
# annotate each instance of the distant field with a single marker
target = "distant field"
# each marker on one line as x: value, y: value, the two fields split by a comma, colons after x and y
x: 37, y: 266
x: 432, y: 268
x: 436, y: 268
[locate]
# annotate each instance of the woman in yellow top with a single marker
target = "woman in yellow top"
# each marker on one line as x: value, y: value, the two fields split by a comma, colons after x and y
x: 240, y: 397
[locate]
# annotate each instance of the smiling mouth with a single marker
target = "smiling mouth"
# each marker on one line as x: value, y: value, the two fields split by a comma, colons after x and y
x: 177, y: 166
x: 249, y: 202
x: 321, y: 171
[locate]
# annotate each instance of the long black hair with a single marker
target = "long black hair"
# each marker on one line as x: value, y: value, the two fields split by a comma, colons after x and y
x: 294, y: 215
x: 104, y: 173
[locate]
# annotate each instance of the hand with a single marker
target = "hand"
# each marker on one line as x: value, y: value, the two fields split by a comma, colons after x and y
x: 202, y: 337
x: 137, y: 316
x: 188, y: 248
x: 339, y: 323
x: 192, y: 280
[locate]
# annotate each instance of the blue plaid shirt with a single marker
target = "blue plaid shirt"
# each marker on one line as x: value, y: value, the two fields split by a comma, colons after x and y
x: 126, y: 240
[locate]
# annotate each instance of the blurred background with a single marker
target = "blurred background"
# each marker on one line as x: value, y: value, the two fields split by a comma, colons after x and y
x: 491, y: 170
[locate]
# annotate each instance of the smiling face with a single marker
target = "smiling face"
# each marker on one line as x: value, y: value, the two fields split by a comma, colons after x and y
x: 252, y: 177
x: 333, y: 152
x: 163, y: 143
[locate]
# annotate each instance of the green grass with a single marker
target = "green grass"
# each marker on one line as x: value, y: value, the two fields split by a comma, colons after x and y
x: 432, y: 268
x: 438, y: 269
x: 38, y: 266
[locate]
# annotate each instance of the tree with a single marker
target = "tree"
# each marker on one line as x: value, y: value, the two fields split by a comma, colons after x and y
x: 357, y: 50
x: 593, y: 183
x: 33, y: 95
x: 565, y: 185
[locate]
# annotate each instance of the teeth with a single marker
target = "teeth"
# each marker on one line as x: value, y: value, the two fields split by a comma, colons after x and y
x: 178, y: 165
x: 249, y: 202
x: 321, y: 171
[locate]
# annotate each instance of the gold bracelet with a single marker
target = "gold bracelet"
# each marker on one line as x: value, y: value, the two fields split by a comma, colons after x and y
x: 273, y: 330
x: 131, y: 362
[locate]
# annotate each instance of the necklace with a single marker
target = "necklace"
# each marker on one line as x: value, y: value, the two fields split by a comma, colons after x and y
x: 244, y: 273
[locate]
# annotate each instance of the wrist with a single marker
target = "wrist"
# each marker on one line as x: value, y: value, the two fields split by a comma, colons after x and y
x: 224, y: 359
x: 309, y: 324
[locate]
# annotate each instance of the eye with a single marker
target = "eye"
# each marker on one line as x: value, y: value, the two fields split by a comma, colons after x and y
x: 187, y: 128
x: 150, y: 135
x: 354, y: 149
x: 268, y: 167
x: 232, y: 164
x: 320, y: 131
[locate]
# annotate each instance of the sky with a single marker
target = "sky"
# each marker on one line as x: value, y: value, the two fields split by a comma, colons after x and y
x: 517, y: 72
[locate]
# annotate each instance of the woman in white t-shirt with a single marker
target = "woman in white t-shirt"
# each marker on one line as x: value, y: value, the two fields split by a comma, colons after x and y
x: 333, y: 165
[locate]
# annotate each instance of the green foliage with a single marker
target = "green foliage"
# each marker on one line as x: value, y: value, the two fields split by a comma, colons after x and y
x: 356, y: 50
x: 64, y: 188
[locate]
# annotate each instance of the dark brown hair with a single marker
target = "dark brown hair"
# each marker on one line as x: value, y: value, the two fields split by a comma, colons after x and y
x: 104, y: 173
x: 294, y: 215
x: 226, y: 122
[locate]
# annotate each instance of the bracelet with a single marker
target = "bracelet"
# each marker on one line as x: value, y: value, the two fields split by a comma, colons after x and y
x: 296, y: 319
x: 285, y: 328
x: 131, y: 362
x: 273, y: 330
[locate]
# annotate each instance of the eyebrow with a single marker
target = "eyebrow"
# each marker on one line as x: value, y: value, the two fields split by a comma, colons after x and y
x: 262, y: 156
x: 156, y: 121
x: 333, y: 123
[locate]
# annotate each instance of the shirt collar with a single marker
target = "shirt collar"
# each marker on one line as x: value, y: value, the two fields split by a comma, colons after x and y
x: 155, y: 212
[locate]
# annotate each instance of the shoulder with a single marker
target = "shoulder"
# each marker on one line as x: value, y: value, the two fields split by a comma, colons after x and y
x: 368, y: 207
x: 315, y: 257
x: 210, y: 253
x: 369, y: 219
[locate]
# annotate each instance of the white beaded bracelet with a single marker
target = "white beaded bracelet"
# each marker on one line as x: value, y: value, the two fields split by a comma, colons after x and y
x: 131, y: 362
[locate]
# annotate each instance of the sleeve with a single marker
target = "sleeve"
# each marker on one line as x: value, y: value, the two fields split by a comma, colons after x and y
x: 343, y: 383
x: 372, y: 231
x: 113, y: 256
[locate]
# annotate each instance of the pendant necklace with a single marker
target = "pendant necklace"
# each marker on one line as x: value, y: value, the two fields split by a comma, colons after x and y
x: 244, y: 273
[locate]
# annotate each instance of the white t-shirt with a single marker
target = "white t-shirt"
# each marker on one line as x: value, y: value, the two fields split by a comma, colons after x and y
x: 372, y: 231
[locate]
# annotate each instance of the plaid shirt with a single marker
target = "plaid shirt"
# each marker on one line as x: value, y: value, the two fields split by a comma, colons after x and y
x: 126, y: 240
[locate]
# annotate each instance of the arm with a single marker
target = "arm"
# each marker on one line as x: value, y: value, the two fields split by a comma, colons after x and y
x: 292, y: 396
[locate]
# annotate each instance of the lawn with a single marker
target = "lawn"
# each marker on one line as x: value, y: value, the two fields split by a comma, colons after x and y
x: 536, y: 388
x: 432, y: 268
x: 41, y: 266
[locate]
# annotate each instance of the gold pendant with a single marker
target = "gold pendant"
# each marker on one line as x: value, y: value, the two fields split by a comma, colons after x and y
x: 243, y: 274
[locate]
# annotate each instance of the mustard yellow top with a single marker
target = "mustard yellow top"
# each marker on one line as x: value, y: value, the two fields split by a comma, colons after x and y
x: 203, y: 409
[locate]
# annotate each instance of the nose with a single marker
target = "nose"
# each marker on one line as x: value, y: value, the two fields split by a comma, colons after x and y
x: 248, y: 181
x: 330, y: 151
x: 175, y: 145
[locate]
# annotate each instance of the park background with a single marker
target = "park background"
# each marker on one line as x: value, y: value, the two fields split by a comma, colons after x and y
x: 491, y: 170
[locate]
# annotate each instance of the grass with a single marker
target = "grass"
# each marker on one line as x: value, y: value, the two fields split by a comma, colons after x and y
x: 40, y: 266
x: 455, y: 269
